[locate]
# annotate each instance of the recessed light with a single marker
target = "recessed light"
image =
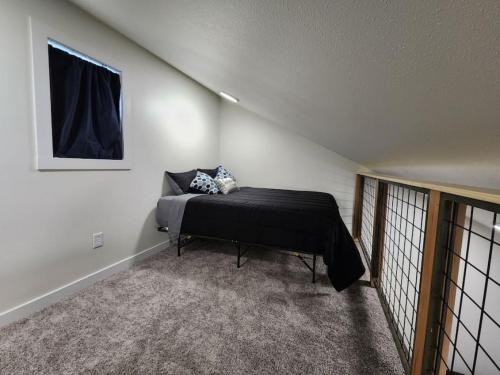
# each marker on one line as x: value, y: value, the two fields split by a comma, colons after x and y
x: 229, y: 97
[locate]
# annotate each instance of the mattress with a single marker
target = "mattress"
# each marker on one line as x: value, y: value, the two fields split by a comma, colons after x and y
x: 304, y: 221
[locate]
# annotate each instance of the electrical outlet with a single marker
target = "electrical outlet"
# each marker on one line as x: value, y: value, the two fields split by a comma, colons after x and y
x: 97, y: 240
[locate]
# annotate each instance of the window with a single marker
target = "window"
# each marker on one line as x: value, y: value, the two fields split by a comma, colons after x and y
x: 85, y: 100
x: 80, y: 117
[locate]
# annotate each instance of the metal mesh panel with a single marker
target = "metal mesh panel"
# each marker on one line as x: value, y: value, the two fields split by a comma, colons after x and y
x: 468, y: 327
x: 404, y: 232
x: 368, y: 215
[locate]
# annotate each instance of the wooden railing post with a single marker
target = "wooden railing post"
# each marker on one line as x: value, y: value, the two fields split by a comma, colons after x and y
x: 358, y: 206
x: 454, y: 264
x: 378, y: 233
x: 428, y: 263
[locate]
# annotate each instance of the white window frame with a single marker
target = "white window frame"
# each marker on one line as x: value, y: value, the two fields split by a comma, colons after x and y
x: 44, y: 158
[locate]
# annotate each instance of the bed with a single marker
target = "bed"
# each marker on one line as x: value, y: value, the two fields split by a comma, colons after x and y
x: 302, y: 221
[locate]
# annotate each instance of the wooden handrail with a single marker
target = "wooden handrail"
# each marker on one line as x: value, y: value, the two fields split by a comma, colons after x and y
x: 487, y: 195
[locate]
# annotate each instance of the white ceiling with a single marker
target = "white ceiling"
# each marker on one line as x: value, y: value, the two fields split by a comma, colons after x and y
x: 379, y: 82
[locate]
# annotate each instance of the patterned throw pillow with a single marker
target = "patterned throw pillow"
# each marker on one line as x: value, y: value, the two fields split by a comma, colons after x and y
x: 226, y: 185
x: 223, y: 173
x: 203, y: 183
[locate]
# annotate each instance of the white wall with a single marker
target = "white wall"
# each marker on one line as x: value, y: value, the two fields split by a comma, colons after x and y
x: 262, y: 154
x: 47, y: 218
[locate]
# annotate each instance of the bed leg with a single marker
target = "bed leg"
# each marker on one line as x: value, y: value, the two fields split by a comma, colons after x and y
x: 314, y: 268
x: 239, y: 253
x: 179, y: 246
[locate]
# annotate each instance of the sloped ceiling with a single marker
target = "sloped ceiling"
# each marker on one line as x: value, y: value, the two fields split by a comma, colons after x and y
x: 384, y: 83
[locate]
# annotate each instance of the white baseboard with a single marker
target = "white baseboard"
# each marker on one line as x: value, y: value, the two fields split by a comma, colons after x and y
x: 36, y: 304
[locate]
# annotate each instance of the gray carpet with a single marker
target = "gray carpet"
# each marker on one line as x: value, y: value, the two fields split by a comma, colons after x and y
x: 199, y: 314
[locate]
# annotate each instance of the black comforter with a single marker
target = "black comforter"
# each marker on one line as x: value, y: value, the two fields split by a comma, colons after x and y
x: 304, y: 221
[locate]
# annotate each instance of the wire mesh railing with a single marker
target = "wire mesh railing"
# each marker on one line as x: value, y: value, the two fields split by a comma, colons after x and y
x: 434, y: 258
x: 405, y: 220
x: 468, y: 324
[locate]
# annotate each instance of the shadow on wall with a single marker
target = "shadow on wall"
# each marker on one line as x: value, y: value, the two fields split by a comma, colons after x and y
x: 149, y: 235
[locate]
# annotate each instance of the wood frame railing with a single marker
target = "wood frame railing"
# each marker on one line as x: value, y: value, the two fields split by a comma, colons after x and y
x: 432, y: 262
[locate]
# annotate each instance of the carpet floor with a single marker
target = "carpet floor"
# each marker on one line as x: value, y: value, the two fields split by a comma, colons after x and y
x: 199, y: 314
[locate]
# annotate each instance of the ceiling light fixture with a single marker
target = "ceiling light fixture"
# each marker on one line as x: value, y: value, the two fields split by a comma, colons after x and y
x: 229, y: 97
x: 497, y: 227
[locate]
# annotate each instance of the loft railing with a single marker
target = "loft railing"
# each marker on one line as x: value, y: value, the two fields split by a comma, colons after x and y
x: 434, y: 258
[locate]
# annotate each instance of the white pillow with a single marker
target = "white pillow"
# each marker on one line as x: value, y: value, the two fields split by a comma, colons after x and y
x: 226, y: 185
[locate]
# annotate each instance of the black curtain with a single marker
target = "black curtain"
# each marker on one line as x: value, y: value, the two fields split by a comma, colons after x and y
x: 85, y: 102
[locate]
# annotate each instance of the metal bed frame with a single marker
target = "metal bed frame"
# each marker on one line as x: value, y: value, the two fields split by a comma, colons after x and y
x: 189, y: 238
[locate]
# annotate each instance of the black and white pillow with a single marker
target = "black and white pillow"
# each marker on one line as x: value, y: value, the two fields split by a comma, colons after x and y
x: 203, y: 183
x: 223, y: 173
